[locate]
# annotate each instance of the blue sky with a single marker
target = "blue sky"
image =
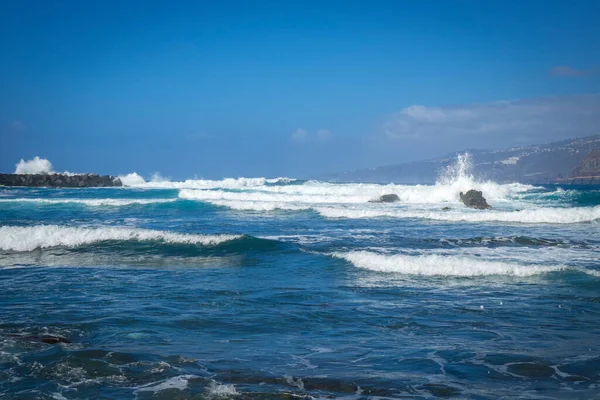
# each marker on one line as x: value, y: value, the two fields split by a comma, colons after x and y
x: 270, y: 88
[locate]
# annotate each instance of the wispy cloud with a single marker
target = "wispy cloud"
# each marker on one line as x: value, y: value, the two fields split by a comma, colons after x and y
x: 302, y: 135
x: 566, y: 71
x: 502, y: 122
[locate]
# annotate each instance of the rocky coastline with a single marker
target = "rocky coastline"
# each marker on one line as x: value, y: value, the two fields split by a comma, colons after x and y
x: 60, y: 180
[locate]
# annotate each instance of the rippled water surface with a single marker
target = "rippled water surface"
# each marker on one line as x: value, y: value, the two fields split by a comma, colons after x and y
x: 279, y: 289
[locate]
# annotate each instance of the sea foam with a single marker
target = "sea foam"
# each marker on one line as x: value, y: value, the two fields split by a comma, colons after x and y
x: 88, y: 202
x: 14, y: 238
x: 257, y: 195
x: 179, y: 382
x: 135, y: 180
x: 444, y: 265
x: 545, y: 215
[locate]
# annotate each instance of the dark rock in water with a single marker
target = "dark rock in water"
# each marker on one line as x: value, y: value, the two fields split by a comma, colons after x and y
x: 446, y: 209
x: 474, y: 199
x: 386, y: 198
x: 59, y: 180
x: 49, y: 339
x: 53, y: 339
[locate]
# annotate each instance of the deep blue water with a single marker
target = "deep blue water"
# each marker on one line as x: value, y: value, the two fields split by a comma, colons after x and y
x: 278, y: 290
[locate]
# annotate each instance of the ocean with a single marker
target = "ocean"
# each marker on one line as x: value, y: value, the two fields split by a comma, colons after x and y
x: 255, y: 288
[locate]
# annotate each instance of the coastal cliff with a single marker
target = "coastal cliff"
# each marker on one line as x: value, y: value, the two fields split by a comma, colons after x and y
x: 587, y: 171
x: 59, y: 180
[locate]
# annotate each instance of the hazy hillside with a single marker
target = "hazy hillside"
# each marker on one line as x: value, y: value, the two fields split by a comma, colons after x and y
x: 542, y: 163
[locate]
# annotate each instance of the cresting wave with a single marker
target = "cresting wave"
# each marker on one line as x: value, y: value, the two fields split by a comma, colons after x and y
x: 135, y: 180
x: 14, y: 238
x: 350, y: 200
x: 314, y: 192
x: 444, y: 265
x: 547, y: 215
x: 89, y: 202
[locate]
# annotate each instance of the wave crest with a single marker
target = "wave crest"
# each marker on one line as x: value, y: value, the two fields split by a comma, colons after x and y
x: 14, y: 238
x: 444, y: 265
x: 549, y: 215
x: 89, y: 202
x: 157, y: 182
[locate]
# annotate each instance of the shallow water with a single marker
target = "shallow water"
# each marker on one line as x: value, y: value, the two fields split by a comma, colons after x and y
x: 292, y: 289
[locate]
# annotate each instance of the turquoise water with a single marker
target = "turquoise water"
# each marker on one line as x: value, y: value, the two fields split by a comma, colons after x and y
x: 279, y: 289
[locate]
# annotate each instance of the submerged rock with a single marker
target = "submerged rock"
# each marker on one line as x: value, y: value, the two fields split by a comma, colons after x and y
x: 48, y: 339
x: 51, y: 339
x: 446, y: 209
x: 386, y: 198
x: 474, y: 199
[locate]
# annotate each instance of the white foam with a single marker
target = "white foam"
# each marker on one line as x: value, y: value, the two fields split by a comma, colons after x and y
x: 254, y: 194
x: 317, y: 195
x: 89, y: 202
x: 259, y: 206
x: 132, y: 179
x: 34, y: 166
x: 177, y: 382
x: 43, y: 236
x: 269, y: 196
x: 216, y: 389
x: 158, y: 182
x: 444, y: 265
x: 547, y: 215
x: 38, y: 165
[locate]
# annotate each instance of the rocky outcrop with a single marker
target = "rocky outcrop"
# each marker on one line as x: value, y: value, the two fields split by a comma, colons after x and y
x: 474, y: 199
x: 59, y: 180
x: 386, y: 198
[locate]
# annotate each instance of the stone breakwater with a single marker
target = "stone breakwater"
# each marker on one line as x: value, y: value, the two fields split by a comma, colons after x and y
x: 59, y: 180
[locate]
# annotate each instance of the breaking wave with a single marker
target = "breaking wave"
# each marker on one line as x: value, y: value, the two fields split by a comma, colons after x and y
x: 157, y: 182
x: 89, y: 202
x: 14, y: 238
x: 258, y: 195
x: 36, y: 165
x: 548, y: 215
x: 445, y: 265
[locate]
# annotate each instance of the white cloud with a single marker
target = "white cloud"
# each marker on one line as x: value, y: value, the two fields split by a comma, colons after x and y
x: 302, y: 135
x: 513, y: 121
x: 35, y: 166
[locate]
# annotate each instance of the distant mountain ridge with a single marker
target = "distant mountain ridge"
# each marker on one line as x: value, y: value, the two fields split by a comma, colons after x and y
x: 554, y: 162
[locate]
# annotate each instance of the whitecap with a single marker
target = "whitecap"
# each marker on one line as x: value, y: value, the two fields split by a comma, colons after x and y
x: 16, y: 238
x: 89, y: 202
x: 447, y: 265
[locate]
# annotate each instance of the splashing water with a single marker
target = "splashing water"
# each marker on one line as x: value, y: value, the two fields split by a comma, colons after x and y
x: 459, y: 177
x: 460, y: 171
